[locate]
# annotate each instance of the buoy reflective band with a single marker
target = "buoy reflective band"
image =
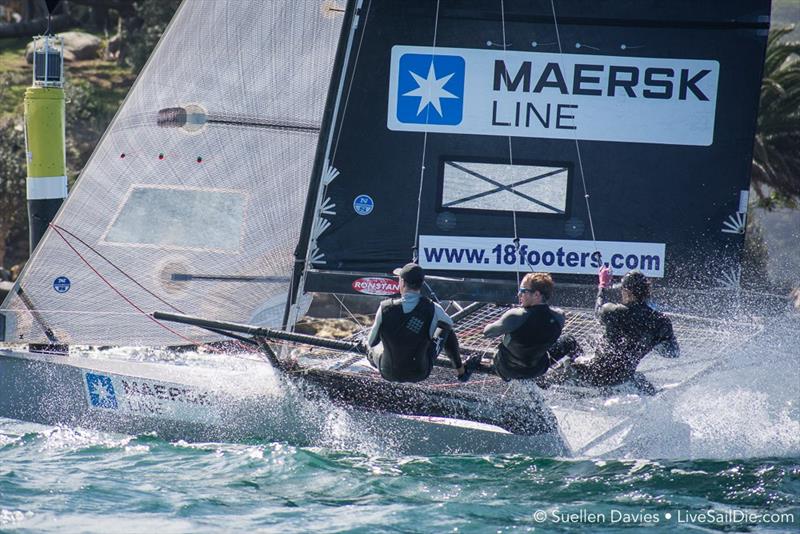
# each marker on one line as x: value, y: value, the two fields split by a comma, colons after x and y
x: 47, y: 187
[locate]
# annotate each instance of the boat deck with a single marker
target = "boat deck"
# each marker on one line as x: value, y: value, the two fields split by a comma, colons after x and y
x: 703, y: 342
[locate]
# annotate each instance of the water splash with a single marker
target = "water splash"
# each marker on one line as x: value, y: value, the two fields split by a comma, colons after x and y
x: 743, y: 405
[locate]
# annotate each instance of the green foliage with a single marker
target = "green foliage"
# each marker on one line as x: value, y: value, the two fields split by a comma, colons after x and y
x: 143, y: 33
x: 12, y: 91
x: 774, y: 200
x: 12, y: 162
x: 12, y: 181
x: 776, y: 158
x: 87, y: 115
x: 15, y: 76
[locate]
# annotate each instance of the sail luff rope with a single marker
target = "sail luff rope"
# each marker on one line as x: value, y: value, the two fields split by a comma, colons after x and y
x: 415, y: 250
x: 69, y: 312
x: 126, y: 299
x: 577, y: 145
x: 510, y: 149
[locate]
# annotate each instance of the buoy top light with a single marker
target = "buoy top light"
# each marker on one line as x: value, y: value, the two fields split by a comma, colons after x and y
x: 48, y: 61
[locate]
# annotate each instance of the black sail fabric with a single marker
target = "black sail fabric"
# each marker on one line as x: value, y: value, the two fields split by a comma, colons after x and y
x: 462, y: 127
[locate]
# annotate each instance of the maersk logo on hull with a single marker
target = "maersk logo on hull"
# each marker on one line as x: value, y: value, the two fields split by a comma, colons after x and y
x: 430, y: 89
x: 101, y: 391
x: 556, y: 96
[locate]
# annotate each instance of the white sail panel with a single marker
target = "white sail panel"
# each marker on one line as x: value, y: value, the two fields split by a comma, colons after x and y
x: 193, y: 199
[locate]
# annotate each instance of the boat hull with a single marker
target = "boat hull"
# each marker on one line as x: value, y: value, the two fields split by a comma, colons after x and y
x: 247, y: 403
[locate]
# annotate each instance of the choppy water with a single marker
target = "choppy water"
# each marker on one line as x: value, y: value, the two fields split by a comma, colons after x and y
x: 64, y: 480
x: 722, y: 454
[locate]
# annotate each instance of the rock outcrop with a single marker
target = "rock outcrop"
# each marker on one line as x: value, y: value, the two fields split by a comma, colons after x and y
x: 78, y: 46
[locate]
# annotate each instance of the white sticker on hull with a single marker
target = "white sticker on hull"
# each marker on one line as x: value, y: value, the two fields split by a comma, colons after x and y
x: 142, y: 397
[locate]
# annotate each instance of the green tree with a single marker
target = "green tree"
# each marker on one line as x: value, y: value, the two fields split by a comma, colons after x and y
x: 86, y: 117
x: 776, y: 157
x: 145, y: 29
x: 13, y: 209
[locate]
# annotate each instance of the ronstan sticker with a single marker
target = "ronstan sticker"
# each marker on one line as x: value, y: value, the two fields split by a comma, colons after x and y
x: 376, y: 286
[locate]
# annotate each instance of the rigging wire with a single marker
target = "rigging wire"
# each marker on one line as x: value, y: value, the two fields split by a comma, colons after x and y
x: 60, y: 229
x: 577, y: 145
x: 350, y: 83
x: 352, y: 316
x: 415, y: 249
x: 510, y: 149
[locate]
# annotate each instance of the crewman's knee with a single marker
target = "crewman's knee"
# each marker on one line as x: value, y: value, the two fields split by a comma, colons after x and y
x: 566, y: 346
x: 374, y: 356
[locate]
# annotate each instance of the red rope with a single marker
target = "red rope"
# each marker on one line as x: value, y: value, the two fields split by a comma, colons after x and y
x: 123, y: 273
x: 126, y: 299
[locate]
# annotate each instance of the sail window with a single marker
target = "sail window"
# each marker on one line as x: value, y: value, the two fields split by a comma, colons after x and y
x: 502, y: 187
x: 179, y: 218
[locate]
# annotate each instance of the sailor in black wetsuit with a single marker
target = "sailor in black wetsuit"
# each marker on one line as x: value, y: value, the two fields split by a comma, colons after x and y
x: 401, y: 341
x: 528, y: 331
x: 631, y: 330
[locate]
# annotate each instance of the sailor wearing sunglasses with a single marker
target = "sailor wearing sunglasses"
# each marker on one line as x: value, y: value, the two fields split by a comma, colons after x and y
x: 528, y: 331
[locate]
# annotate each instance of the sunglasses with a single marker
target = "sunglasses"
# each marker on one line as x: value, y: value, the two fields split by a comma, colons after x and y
x: 523, y: 290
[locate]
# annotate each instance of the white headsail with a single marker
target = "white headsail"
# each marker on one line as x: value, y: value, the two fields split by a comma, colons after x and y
x: 193, y: 199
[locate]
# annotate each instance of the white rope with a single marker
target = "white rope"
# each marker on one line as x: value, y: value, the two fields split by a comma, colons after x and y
x: 352, y: 316
x: 425, y: 141
x: 577, y: 145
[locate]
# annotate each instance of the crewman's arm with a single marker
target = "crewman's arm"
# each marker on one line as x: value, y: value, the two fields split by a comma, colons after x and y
x: 451, y: 344
x: 600, y: 309
x: 439, y: 315
x: 668, y: 346
x: 604, y: 279
x: 374, y: 338
x: 507, y: 323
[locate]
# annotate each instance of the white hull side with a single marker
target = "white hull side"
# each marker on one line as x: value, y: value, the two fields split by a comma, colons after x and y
x: 250, y: 402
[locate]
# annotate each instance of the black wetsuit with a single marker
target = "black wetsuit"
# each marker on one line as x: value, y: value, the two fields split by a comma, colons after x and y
x: 529, y: 334
x: 631, y: 331
x: 408, y: 351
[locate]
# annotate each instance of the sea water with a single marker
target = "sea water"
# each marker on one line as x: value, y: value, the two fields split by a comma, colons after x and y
x: 722, y: 454
x: 67, y: 480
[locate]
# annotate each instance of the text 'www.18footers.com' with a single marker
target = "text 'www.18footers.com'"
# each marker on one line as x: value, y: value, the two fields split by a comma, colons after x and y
x: 551, y: 255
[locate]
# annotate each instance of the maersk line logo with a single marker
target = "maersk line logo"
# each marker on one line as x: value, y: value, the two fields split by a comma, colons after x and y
x: 430, y: 89
x: 628, y: 99
x: 101, y: 391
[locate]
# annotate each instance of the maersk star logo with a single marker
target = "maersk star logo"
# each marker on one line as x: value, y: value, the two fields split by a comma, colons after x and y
x: 101, y: 391
x: 430, y: 89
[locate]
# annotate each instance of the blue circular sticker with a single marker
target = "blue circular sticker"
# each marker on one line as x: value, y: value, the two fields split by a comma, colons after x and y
x: 61, y: 284
x: 363, y: 204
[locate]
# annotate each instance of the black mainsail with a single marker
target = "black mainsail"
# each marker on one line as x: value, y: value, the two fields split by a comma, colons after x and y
x: 487, y: 139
